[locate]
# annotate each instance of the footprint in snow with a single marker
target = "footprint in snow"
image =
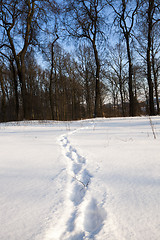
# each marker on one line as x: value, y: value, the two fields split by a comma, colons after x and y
x: 65, y: 142
x: 86, y: 177
x: 94, y: 217
x: 78, y: 193
x: 76, y: 168
x: 71, y: 222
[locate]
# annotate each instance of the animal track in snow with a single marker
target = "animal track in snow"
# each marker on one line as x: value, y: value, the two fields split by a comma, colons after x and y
x: 80, y: 176
x: 86, y: 218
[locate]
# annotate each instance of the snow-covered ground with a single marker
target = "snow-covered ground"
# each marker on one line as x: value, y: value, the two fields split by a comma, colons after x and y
x: 93, y: 179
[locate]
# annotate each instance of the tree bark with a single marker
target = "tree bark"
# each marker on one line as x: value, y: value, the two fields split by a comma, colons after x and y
x: 88, y: 99
x: 121, y: 91
x: 51, y: 97
x: 3, y: 100
x: 15, y: 89
x: 149, y: 78
x: 97, y: 108
x: 155, y: 79
x: 51, y: 84
x: 130, y: 81
x: 21, y: 75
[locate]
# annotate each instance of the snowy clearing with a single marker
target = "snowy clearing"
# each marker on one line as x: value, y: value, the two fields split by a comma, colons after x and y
x: 92, y: 179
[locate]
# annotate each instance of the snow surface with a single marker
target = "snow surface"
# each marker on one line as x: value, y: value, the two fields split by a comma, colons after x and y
x: 91, y: 179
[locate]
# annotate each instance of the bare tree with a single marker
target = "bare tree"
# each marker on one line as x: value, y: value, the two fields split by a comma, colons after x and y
x: 85, y: 21
x: 117, y: 65
x: 19, y: 21
x: 3, y: 98
x: 155, y: 67
x: 150, y: 14
x: 149, y: 77
x: 125, y: 16
x: 86, y: 68
x: 53, y: 75
x: 10, y: 19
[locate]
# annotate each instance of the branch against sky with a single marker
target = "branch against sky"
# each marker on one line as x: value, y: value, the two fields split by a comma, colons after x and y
x: 85, y: 19
x: 25, y: 20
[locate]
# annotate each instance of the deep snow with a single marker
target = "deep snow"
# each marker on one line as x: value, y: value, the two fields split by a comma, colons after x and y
x: 90, y: 179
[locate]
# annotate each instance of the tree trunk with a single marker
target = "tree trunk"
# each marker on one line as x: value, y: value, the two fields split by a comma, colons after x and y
x: 121, y: 89
x: 15, y: 89
x: 56, y: 96
x: 122, y: 101
x: 21, y: 74
x: 150, y: 83
x: 19, y: 59
x: 51, y: 81
x: 98, y: 108
x: 51, y: 85
x: 3, y: 101
x: 88, y: 98
x: 130, y: 81
x: 155, y: 79
x: 149, y: 78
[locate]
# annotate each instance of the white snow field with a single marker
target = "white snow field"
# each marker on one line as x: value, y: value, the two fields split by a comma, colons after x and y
x: 91, y: 179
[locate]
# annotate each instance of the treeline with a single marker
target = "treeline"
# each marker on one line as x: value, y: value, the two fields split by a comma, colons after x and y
x: 79, y: 59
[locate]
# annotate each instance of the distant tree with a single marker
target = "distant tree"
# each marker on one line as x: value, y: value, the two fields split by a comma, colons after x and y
x: 86, y: 68
x: 117, y: 62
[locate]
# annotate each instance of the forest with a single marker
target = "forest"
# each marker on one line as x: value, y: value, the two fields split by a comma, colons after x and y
x: 76, y: 59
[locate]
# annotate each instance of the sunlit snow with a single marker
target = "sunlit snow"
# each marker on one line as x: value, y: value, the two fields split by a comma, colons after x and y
x: 91, y: 179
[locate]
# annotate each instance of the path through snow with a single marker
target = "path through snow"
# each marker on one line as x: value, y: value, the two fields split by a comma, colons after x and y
x: 86, y: 218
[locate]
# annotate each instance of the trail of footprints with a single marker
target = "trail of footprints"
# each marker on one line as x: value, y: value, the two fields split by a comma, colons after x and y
x: 76, y: 169
x: 80, y: 180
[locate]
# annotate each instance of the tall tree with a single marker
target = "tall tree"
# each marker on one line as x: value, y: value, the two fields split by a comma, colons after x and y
x: 155, y: 67
x: 11, y: 12
x: 150, y: 11
x: 151, y: 14
x: 53, y: 75
x: 19, y: 21
x: 85, y: 21
x: 125, y: 16
x: 148, y: 46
